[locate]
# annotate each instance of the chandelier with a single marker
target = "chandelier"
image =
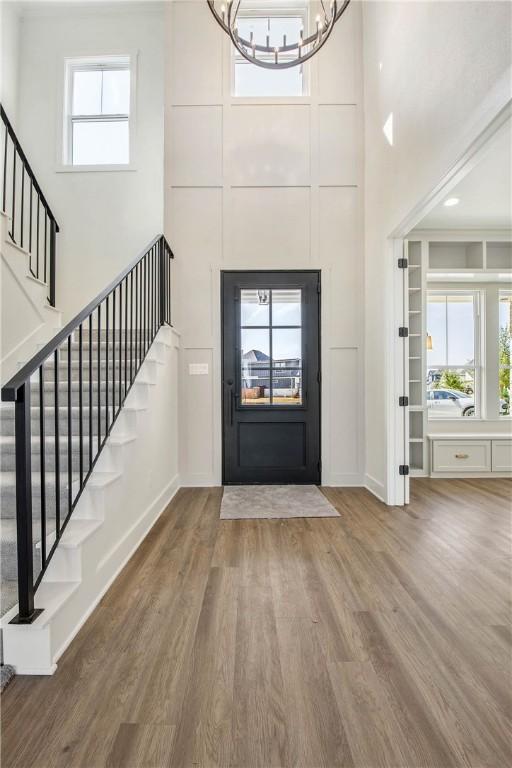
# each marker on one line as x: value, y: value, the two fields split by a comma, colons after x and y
x: 297, y: 51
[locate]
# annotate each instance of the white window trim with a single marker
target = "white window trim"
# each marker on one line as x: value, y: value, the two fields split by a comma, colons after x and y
x: 72, y: 63
x: 235, y: 56
x: 479, y: 371
x: 502, y: 292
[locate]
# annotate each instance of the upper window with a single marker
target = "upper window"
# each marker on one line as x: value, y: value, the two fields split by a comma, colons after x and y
x: 98, y: 107
x: 505, y: 349
x: 253, y: 81
x: 452, y: 380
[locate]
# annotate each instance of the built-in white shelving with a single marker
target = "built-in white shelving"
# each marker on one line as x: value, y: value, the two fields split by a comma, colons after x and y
x: 415, y: 299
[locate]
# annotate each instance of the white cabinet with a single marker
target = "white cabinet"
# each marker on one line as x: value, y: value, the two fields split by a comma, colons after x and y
x: 453, y: 455
x: 461, y: 456
x: 502, y: 455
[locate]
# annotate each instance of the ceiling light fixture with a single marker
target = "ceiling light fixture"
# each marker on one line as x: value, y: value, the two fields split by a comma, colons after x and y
x: 267, y: 56
x: 451, y: 201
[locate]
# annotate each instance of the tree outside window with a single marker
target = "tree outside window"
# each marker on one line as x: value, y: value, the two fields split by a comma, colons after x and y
x: 505, y: 348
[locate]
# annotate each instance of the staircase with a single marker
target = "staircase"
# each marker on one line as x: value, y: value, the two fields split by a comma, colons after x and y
x: 73, y: 452
x: 75, y: 421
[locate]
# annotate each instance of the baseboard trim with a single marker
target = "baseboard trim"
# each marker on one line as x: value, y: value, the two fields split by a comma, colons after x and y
x: 375, y: 487
x: 341, y: 480
x: 161, y: 503
x: 199, y: 481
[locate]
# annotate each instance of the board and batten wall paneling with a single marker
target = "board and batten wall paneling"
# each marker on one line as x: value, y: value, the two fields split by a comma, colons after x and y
x: 264, y: 184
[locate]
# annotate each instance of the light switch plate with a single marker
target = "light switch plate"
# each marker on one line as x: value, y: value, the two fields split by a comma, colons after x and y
x: 198, y: 369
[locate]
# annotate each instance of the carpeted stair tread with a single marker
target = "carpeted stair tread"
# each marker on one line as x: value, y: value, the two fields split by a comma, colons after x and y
x: 8, y: 547
x: 8, y: 493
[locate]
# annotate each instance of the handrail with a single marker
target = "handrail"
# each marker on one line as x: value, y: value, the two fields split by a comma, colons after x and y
x: 26, y: 163
x: 105, y: 345
x: 11, y: 387
x: 33, y: 225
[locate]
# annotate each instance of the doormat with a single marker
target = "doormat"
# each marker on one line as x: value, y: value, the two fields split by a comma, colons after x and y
x: 269, y: 502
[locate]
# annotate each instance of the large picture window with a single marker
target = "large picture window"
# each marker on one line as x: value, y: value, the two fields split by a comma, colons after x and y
x: 505, y: 349
x: 452, y: 349
x: 98, y: 107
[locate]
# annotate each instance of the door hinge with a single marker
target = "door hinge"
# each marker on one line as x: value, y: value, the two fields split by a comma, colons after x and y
x: 319, y: 467
x: 319, y: 287
x: 403, y: 469
x: 319, y: 377
x: 403, y: 332
x: 402, y: 264
x: 403, y: 401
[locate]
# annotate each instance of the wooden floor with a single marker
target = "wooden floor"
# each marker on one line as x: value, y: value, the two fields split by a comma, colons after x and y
x: 380, y: 638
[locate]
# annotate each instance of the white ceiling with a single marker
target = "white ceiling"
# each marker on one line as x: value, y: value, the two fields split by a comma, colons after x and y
x: 485, y: 194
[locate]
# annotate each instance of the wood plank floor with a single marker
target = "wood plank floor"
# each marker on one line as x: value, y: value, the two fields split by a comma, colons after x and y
x: 379, y: 638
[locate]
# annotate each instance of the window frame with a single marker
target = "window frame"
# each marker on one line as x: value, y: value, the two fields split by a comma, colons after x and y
x: 271, y: 327
x: 503, y: 292
x: 479, y: 373
x: 235, y: 56
x: 90, y: 63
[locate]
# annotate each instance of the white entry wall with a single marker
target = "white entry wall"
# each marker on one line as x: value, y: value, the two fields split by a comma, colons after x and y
x: 106, y: 217
x: 264, y: 184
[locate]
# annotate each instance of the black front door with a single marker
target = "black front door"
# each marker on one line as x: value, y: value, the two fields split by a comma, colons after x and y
x: 271, y: 377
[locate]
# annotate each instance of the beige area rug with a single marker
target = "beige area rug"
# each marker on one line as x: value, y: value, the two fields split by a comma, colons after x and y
x: 268, y: 502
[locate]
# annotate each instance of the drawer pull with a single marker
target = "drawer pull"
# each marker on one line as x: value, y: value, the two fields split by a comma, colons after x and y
x: 462, y: 455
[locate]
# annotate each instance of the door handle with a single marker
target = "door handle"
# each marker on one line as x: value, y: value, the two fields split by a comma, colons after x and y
x: 230, y: 383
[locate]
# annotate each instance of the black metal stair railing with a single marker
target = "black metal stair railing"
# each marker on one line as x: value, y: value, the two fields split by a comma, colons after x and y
x: 33, y: 225
x: 68, y: 397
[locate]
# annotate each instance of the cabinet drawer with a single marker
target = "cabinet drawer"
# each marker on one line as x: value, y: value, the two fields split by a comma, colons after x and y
x: 460, y: 456
x: 502, y: 455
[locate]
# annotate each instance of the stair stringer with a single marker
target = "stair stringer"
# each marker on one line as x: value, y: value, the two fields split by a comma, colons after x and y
x: 131, y: 485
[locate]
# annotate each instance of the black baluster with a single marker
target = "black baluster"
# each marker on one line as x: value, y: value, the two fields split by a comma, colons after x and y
x: 114, y: 354
x: 53, y: 256
x: 161, y: 283
x: 56, y: 364
x: 120, y: 345
x: 37, y: 235
x: 42, y: 465
x: 106, y: 365
x: 70, y: 434
x: 131, y: 327
x: 22, y: 206
x: 13, y: 193
x: 137, y: 318
x: 125, y: 336
x: 99, y: 378
x: 45, y: 241
x: 90, y: 392
x: 22, y: 416
x: 169, y: 257
x: 146, y: 305
x: 4, y: 195
x: 30, y: 223
x: 152, y: 293
x: 80, y: 404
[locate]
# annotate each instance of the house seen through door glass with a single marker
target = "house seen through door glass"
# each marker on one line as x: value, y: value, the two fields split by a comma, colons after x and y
x: 271, y: 347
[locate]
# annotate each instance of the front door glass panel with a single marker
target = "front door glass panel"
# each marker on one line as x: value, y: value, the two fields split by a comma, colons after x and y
x: 271, y: 357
